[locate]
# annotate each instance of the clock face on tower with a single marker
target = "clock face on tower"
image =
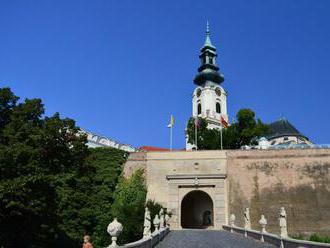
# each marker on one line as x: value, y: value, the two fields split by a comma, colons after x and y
x: 199, y: 92
x: 218, y: 91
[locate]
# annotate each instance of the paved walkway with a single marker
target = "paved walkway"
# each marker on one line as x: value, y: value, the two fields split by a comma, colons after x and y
x: 208, y: 239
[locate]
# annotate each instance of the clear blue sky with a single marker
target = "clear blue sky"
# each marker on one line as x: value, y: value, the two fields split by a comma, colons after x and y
x: 120, y: 68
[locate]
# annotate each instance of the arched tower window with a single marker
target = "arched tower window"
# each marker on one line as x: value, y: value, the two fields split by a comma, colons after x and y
x: 199, y: 109
x: 218, y: 108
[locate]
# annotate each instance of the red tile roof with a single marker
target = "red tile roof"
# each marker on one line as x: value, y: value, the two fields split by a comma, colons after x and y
x: 154, y: 149
x: 158, y: 149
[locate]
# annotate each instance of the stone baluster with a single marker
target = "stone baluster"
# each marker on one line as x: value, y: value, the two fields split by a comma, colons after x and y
x: 263, y: 223
x: 156, y: 223
x: 232, y: 219
x: 114, y: 229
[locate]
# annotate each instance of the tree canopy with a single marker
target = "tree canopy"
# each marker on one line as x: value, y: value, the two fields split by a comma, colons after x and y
x: 53, y: 189
x: 129, y: 204
x: 240, y: 133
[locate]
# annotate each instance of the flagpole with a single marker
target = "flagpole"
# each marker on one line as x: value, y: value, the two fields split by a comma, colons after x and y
x: 221, y: 137
x: 196, y: 134
x: 171, y: 134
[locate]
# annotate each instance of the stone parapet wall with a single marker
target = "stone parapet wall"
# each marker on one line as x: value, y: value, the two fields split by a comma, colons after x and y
x: 265, y: 180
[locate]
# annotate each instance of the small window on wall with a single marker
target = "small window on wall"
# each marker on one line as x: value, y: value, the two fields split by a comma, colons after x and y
x: 218, y: 108
x: 199, y: 109
x: 211, y: 60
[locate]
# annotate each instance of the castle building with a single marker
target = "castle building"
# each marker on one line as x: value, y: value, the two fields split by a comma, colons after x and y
x: 209, y: 99
x: 201, y: 189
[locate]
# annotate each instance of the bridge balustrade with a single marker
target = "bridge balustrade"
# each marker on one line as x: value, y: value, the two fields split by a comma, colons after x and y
x: 149, y: 240
x: 282, y: 240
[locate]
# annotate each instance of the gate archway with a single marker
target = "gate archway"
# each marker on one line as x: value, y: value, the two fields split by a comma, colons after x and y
x: 196, y: 210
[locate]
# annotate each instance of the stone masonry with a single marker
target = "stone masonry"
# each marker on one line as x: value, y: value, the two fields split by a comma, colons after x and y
x: 263, y: 180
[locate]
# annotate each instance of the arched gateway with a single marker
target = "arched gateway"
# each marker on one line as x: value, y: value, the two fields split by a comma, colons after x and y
x: 197, y: 210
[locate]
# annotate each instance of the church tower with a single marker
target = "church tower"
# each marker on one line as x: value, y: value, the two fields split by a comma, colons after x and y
x: 209, y: 99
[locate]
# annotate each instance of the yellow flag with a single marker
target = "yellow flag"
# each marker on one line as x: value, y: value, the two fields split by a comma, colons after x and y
x: 171, y: 122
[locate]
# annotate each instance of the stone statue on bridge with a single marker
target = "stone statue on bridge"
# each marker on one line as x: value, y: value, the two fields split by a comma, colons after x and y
x: 232, y: 219
x: 147, y: 224
x: 283, y: 224
x: 247, y: 220
x: 167, y: 219
x: 263, y: 223
x: 161, y: 218
x: 156, y: 223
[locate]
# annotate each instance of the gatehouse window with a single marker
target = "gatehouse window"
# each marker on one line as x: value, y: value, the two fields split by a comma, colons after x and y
x: 218, y: 108
x: 199, y: 109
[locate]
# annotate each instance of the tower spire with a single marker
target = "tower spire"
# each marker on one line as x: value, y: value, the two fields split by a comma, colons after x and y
x: 208, y: 70
x: 208, y: 39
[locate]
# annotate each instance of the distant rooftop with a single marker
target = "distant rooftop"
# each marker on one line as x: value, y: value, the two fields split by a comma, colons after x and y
x: 283, y: 127
x: 95, y: 140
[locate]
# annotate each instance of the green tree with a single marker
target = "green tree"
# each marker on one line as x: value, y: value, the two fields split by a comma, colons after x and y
x: 129, y: 204
x: 207, y: 139
x: 87, y: 197
x: 243, y: 132
x: 154, y: 208
x: 53, y: 189
x: 36, y: 153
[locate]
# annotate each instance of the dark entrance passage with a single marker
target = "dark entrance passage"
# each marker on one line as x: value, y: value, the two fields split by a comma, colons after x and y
x: 196, y: 210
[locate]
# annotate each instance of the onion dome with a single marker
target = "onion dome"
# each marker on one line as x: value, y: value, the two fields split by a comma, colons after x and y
x: 208, y: 71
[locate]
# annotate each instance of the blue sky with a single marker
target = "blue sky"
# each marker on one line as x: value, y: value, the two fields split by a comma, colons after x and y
x: 120, y: 68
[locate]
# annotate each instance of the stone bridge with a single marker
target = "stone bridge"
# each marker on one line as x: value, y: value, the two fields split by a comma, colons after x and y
x: 230, y: 236
x: 208, y: 238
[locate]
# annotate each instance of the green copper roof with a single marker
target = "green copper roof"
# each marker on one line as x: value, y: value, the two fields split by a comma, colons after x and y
x: 207, y: 39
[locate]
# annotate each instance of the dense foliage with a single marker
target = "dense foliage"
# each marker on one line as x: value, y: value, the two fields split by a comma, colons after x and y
x: 243, y: 132
x: 129, y: 204
x: 87, y: 198
x: 154, y: 208
x: 53, y: 189
x: 314, y: 237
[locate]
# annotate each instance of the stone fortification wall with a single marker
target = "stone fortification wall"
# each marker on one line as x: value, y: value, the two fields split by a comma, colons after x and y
x: 264, y: 181
x: 135, y: 161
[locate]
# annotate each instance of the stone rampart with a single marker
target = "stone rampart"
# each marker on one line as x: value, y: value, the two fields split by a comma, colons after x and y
x: 298, y: 180
x: 263, y: 180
